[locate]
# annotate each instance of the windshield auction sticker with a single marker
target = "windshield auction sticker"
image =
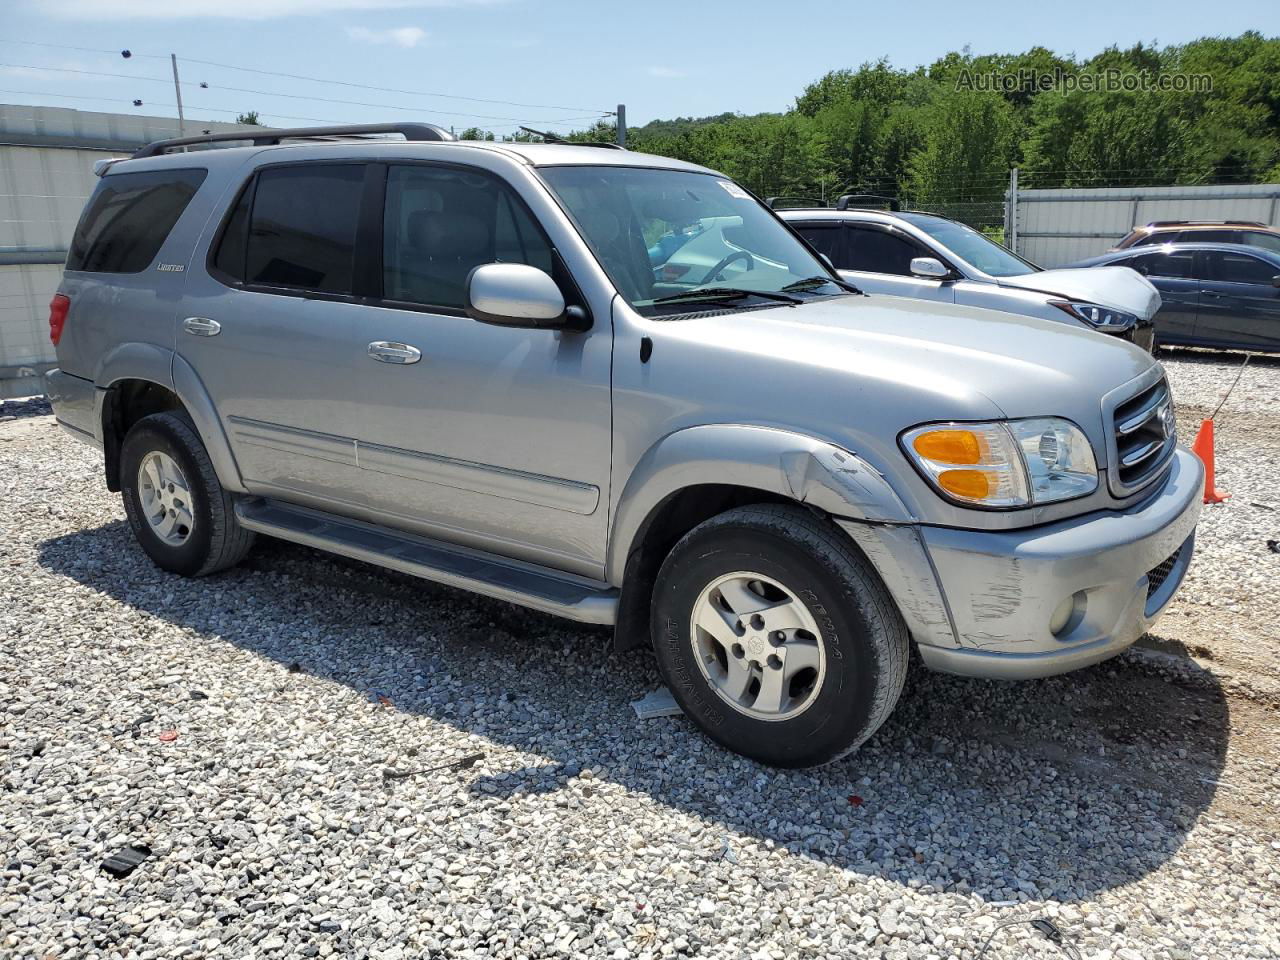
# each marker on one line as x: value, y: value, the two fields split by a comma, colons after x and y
x: 734, y: 190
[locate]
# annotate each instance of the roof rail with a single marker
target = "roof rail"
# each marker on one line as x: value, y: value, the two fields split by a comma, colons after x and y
x: 556, y: 138
x: 867, y: 200
x: 1205, y: 223
x: 772, y: 202
x: 269, y: 136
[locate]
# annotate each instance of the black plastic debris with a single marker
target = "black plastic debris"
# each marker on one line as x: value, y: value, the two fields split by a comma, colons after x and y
x: 463, y: 763
x: 199, y: 695
x: 1273, y: 546
x: 135, y: 728
x: 125, y: 860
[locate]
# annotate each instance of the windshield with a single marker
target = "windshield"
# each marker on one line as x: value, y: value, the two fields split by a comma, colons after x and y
x: 973, y: 247
x: 672, y: 240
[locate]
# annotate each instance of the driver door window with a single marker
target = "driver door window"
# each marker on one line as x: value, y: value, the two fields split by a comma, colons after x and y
x: 442, y: 222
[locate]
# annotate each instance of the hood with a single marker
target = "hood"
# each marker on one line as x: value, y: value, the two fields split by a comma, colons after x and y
x: 1119, y: 288
x: 902, y: 361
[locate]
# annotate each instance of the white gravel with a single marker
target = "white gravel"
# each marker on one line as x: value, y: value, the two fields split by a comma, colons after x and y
x: 1135, y: 803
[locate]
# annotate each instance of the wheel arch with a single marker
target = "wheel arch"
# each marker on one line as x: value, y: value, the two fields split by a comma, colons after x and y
x: 694, y: 474
x: 134, y: 383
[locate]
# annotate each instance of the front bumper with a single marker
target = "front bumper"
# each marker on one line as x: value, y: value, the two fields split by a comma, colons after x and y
x: 998, y: 591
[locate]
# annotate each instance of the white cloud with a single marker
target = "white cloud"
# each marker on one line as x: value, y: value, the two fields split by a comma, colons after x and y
x: 666, y: 73
x: 396, y: 36
x: 228, y: 9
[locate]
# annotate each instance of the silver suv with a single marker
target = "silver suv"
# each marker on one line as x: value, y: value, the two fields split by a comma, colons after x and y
x: 618, y: 388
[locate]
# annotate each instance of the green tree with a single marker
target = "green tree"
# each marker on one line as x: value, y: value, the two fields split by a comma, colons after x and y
x: 249, y: 119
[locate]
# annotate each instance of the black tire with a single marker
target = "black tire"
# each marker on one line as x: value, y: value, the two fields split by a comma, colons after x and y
x: 865, y: 639
x: 217, y: 541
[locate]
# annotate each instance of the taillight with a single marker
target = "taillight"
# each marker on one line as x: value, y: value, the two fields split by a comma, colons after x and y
x: 58, y: 308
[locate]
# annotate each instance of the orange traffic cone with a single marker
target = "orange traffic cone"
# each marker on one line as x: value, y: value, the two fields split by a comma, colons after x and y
x: 1203, y: 448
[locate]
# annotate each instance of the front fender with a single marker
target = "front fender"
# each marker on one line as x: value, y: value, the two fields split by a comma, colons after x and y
x: 792, y: 465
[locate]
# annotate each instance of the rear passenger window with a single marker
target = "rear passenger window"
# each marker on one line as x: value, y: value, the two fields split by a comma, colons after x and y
x: 877, y: 251
x: 441, y: 222
x: 128, y: 218
x: 302, y: 229
x: 1239, y: 268
x: 823, y: 237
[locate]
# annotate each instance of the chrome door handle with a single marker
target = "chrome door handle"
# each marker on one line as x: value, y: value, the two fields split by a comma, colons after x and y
x: 202, y: 326
x: 388, y: 351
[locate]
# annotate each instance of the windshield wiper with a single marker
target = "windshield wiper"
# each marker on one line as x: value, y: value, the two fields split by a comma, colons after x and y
x: 727, y: 293
x: 808, y: 282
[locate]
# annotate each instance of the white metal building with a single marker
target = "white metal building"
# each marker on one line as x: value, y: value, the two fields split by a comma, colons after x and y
x: 46, y: 173
x: 1055, y: 227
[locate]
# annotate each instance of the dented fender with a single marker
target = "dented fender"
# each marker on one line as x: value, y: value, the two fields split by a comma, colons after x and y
x: 802, y: 468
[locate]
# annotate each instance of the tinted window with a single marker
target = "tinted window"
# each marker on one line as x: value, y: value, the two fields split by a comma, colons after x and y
x: 229, y: 259
x: 442, y: 222
x: 1179, y: 266
x: 1209, y: 236
x: 1240, y: 268
x: 823, y: 237
x: 302, y: 231
x: 1267, y: 241
x: 128, y: 218
x: 877, y: 251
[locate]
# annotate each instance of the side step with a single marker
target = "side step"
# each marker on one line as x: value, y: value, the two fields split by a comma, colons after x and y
x: 527, y: 584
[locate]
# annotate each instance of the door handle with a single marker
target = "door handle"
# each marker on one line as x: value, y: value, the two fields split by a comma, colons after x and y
x: 202, y: 326
x: 389, y: 351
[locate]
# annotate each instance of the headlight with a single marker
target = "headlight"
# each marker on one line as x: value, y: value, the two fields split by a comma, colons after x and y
x: 1010, y: 463
x: 1100, y: 318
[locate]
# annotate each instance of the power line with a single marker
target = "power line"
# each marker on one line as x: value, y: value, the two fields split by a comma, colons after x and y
x: 342, y: 83
x: 299, y: 96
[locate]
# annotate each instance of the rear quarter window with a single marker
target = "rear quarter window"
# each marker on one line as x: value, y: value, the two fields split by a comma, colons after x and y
x: 128, y: 219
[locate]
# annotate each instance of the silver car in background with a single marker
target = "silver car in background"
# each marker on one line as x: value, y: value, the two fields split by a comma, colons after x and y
x: 930, y: 257
x: 616, y: 388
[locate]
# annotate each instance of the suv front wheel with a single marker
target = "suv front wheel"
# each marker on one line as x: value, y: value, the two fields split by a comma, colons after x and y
x: 776, y: 636
x: 178, y: 510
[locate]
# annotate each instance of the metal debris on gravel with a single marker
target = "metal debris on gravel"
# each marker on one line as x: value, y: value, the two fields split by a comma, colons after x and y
x: 1134, y: 804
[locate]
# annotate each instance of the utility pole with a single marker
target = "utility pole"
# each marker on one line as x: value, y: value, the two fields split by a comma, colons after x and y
x: 622, y: 125
x: 177, y: 89
x: 1011, y: 213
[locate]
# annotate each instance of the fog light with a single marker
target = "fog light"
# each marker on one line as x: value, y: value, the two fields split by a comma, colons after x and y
x: 1068, y: 614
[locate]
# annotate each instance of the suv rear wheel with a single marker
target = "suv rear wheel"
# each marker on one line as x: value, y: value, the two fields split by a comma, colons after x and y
x: 178, y: 510
x: 776, y: 637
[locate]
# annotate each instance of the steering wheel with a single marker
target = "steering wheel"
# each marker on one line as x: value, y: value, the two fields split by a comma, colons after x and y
x: 731, y: 258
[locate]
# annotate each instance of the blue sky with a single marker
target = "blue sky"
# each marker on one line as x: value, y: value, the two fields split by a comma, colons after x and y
x: 663, y: 59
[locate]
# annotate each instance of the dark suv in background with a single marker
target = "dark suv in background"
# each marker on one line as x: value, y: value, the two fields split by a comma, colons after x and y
x: 1221, y: 295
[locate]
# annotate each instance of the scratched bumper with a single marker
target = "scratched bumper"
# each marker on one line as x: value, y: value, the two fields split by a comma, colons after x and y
x: 1002, y: 588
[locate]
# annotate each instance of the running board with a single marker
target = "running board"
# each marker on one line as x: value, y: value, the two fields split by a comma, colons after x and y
x: 562, y: 594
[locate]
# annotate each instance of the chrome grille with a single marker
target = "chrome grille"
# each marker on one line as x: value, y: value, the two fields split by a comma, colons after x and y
x: 1145, y: 436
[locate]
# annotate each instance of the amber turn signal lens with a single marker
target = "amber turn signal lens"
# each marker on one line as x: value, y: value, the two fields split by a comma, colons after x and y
x: 950, y: 446
x: 971, y: 484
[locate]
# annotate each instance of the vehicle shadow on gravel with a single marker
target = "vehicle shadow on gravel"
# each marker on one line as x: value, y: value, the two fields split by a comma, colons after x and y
x: 1051, y: 789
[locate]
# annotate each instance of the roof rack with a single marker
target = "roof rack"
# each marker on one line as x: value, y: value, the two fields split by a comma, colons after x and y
x: 556, y: 138
x: 867, y: 201
x: 268, y: 136
x: 1205, y: 223
x: 773, y: 202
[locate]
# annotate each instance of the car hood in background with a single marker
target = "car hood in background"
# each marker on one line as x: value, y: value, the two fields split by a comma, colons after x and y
x: 1120, y: 288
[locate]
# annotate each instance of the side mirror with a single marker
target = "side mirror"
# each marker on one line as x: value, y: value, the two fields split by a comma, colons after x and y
x: 1275, y: 281
x: 514, y: 295
x: 929, y: 269
x: 827, y: 261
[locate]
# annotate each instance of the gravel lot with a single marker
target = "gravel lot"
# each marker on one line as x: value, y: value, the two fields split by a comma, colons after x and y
x: 275, y: 736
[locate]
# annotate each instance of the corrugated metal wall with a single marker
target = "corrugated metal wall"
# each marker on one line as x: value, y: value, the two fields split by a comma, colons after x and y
x: 46, y: 172
x: 1057, y: 227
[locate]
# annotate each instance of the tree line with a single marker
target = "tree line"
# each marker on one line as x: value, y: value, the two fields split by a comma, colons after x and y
x: 945, y: 136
